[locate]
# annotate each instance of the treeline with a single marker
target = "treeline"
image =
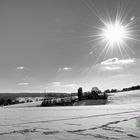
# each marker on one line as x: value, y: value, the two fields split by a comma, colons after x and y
x: 137, y: 87
x: 111, y: 90
x: 11, y: 98
x: 8, y: 101
x: 61, y: 101
x: 131, y: 88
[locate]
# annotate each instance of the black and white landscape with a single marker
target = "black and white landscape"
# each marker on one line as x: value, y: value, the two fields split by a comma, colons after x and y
x: 69, y: 69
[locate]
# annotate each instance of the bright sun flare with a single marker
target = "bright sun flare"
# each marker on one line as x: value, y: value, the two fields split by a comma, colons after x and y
x: 114, y: 33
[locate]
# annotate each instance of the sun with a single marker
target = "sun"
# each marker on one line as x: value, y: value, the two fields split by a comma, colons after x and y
x: 114, y: 33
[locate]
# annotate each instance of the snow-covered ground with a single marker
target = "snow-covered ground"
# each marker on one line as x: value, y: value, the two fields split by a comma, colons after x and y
x: 118, y: 120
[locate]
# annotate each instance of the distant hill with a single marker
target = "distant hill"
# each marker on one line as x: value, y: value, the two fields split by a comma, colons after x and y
x: 16, y: 95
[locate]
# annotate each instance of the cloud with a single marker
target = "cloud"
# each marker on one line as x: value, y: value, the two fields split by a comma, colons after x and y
x: 20, y: 68
x: 112, y: 68
x: 68, y: 85
x: 91, y: 52
x: 55, y: 84
x: 65, y: 69
x: 116, y: 64
x: 61, y: 85
x: 116, y: 61
x: 23, y: 84
x: 132, y: 18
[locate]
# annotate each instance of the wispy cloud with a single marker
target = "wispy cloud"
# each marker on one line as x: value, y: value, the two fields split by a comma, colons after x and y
x: 23, y: 84
x: 61, y: 87
x: 116, y: 61
x: 59, y: 84
x: 112, y: 68
x: 68, y: 85
x: 65, y: 69
x: 91, y: 52
x: 116, y: 64
x: 55, y: 84
x: 20, y: 68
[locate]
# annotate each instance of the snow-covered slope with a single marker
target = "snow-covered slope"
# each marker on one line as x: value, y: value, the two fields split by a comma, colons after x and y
x: 110, y: 122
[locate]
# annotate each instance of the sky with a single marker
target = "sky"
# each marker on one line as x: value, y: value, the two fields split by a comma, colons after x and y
x: 51, y: 45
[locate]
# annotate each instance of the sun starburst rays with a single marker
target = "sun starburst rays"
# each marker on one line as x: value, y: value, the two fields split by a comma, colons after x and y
x: 112, y: 34
x: 115, y: 30
x: 115, y: 33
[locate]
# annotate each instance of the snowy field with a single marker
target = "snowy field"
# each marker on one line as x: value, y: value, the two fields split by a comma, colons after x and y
x: 118, y: 120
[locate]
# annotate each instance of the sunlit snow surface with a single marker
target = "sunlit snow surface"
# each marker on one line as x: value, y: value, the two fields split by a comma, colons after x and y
x: 118, y: 120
